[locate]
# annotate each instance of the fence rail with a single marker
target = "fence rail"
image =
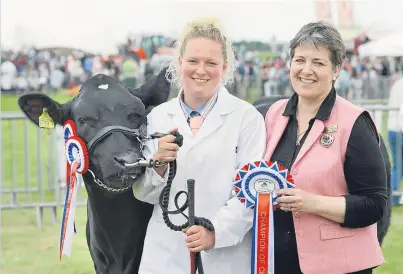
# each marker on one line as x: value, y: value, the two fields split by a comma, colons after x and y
x: 377, y: 88
x: 33, y: 165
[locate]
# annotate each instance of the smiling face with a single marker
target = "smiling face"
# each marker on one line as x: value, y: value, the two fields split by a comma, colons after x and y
x: 202, y: 67
x: 312, y: 72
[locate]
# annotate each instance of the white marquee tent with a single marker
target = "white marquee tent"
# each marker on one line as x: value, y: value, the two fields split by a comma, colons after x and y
x: 389, y: 46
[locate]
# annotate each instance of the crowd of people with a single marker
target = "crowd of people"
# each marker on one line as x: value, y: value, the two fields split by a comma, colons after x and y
x: 359, y: 79
x: 50, y: 70
x: 54, y: 69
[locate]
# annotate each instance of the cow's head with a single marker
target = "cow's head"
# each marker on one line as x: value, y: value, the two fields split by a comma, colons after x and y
x: 109, y: 119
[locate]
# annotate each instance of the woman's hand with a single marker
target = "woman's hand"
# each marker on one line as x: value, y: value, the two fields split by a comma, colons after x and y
x: 167, y: 148
x: 295, y: 199
x: 198, y: 238
x: 167, y: 152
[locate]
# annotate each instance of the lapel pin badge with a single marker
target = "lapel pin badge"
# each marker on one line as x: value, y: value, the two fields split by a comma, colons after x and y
x: 331, y: 128
x: 327, y: 138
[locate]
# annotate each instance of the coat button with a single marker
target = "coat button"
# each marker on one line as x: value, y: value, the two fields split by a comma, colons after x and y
x: 296, y: 215
x: 295, y: 171
x: 303, y: 255
x: 300, y: 233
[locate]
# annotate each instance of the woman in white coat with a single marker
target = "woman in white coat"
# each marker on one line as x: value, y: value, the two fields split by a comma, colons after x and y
x: 232, y: 133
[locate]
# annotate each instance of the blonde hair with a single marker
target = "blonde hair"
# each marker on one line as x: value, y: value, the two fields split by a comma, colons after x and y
x: 208, y: 28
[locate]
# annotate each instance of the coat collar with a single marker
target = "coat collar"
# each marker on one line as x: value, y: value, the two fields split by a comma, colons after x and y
x: 223, y: 105
x: 213, y: 122
x: 318, y: 124
x: 324, y: 111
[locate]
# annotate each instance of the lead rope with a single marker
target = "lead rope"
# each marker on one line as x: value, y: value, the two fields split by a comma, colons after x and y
x: 164, y: 201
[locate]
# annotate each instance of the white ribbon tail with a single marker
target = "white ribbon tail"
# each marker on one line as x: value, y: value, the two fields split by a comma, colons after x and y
x: 68, y: 237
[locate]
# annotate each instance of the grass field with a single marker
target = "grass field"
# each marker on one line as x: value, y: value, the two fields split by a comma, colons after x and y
x: 29, y: 250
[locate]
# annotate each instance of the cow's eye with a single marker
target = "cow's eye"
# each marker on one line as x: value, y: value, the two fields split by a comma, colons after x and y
x: 80, y: 121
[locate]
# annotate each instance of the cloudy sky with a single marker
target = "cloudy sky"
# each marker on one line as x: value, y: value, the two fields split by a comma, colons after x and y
x: 99, y: 24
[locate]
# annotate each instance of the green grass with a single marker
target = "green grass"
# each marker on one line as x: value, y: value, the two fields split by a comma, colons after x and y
x: 27, y: 249
x: 393, y: 245
x: 265, y: 55
x: 9, y: 101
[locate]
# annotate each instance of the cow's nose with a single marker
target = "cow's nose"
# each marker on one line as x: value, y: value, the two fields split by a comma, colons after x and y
x: 124, y: 159
x: 119, y: 160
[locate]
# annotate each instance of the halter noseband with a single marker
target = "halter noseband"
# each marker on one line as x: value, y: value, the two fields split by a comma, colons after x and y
x: 140, y: 133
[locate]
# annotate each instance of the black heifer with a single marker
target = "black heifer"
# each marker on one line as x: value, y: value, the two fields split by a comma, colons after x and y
x: 263, y: 104
x: 105, y: 114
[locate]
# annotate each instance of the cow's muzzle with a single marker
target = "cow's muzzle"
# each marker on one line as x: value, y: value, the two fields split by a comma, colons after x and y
x: 150, y: 163
x: 141, y: 135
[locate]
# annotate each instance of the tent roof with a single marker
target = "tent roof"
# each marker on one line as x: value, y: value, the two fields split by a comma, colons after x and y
x: 388, y: 45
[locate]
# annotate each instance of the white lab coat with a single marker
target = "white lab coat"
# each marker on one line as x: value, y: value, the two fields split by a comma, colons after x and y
x: 232, y: 135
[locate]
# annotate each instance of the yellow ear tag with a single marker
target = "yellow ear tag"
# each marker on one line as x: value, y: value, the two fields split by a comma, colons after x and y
x: 45, y: 121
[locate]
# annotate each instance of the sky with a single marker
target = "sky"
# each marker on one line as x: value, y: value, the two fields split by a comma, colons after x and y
x: 100, y: 24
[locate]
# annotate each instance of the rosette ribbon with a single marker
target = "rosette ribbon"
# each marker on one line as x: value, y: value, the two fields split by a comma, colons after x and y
x: 78, y: 162
x: 255, y: 186
x: 69, y: 129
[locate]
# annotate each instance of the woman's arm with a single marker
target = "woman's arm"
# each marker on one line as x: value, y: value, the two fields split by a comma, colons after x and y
x: 365, y: 175
x: 233, y: 220
x: 148, y: 186
x: 332, y: 208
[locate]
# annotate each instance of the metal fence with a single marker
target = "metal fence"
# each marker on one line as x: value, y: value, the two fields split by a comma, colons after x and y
x: 380, y: 114
x: 33, y: 167
x: 359, y: 89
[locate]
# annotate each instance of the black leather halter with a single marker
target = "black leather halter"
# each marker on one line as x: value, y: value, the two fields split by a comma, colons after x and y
x: 140, y: 134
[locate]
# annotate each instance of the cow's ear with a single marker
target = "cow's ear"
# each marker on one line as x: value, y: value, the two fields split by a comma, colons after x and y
x: 155, y: 91
x: 34, y: 104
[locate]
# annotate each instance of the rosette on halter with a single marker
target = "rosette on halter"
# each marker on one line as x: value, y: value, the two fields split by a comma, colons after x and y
x: 77, y: 164
x: 69, y: 130
x: 255, y: 186
x: 76, y: 150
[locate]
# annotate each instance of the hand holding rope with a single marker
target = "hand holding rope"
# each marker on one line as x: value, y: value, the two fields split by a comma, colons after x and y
x: 196, y: 262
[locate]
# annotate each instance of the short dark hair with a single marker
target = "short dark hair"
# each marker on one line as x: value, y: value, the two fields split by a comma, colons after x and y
x: 321, y: 34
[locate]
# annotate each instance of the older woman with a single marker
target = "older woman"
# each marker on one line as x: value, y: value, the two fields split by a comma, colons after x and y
x: 327, y: 224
